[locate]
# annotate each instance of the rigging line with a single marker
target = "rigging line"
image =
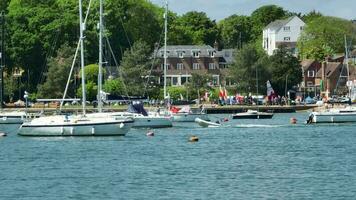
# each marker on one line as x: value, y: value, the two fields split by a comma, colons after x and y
x: 153, y: 62
x: 74, y: 60
x: 117, y: 65
x: 126, y: 35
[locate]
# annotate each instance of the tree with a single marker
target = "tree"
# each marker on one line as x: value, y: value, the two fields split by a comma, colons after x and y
x: 284, y: 67
x: 264, y: 15
x: 135, y: 66
x: 199, y: 82
x: 311, y: 16
x: 324, y: 36
x: 246, y: 61
x: 91, y: 91
x: 199, y: 28
x: 57, y: 75
x: 235, y: 31
x: 114, y: 86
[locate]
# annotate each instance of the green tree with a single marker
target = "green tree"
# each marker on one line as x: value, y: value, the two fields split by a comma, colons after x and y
x: 114, y: 86
x: 91, y: 90
x: 57, y: 75
x: 235, y: 31
x: 311, y: 16
x: 324, y: 36
x: 199, y: 83
x: 135, y: 66
x: 264, y: 15
x: 199, y: 27
x: 284, y: 67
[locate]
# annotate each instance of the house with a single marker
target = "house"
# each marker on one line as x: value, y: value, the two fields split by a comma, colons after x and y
x: 282, y: 33
x: 183, y: 60
x: 322, y: 79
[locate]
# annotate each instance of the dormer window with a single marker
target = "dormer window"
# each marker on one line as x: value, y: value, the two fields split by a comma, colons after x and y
x: 180, y: 54
x: 286, y: 28
x: 311, y: 73
x: 196, y: 54
x: 286, y: 38
x: 162, y: 53
x: 212, y: 54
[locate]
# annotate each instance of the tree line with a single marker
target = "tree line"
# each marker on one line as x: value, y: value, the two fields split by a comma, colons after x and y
x: 41, y: 37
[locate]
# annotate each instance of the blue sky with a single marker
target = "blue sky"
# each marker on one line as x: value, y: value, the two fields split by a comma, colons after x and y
x: 220, y: 9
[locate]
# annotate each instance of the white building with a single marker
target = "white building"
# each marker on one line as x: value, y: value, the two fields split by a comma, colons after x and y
x: 282, y: 32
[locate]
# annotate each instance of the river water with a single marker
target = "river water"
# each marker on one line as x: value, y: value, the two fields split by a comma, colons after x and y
x: 246, y: 159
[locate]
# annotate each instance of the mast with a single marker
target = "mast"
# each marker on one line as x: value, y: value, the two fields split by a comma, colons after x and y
x: 165, y: 51
x: 257, y: 92
x: 347, y: 67
x: 2, y: 58
x: 81, y: 24
x: 100, y: 103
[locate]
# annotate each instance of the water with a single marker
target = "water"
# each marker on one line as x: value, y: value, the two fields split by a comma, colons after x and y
x: 249, y: 159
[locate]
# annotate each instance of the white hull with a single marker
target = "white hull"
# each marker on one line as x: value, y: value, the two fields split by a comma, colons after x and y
x: 62, y: 126
x: 141, y: 121
x: 12, y: 117
x: 204, y: 123
x: 334, y: 116
x: 189, y: 117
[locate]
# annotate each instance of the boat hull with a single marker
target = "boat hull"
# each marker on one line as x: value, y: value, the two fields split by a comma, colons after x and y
x: 189, y: 117
x: 152, y: 122
x: 205, y: 124
x: 333, y: 118
x: 253, y: 116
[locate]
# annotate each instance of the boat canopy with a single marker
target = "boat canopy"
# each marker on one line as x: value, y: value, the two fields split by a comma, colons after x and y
x: 137, y: 108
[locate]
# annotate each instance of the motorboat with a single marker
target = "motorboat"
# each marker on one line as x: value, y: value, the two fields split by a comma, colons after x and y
x: 186, y: 114
x: 252, y: 114
x: 13, y: 117
x: 335, y: 115
x: 204, y: 123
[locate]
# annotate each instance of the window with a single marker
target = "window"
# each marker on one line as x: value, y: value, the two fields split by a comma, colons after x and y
x: 196, y: 66
x: 310, y: 84
x: 302, y: 28
x: 286, y: 38
x: 174, y: 80
x: 179, y: 66
x: 286, y: 28
x: 212, y: 66
x: 311, y: 73
x: 180, y: 54
x: 163, y: 65
x: 196, y: 54
x: 215, y: 80
x: 211, y: 53
x: 183, y: 80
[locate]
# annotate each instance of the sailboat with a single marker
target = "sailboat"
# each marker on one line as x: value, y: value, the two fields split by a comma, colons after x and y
x: 135, y: 111
x: 185, y: 114
x: 77, y: 125
x: 337, y: 115
x: 255, y: 114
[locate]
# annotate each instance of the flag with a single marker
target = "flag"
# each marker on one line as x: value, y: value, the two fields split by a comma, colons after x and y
x: 225, y: 93
x: 321, y: 85
x: 221, y: 93
x: 270, y: 91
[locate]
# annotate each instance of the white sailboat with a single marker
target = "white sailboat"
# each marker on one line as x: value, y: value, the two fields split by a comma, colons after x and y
x: 141, y: 120
x: 182, y: 116
x: 337, y: 115
x: 77, y: 125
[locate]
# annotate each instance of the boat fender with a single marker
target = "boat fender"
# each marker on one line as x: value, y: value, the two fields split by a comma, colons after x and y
x: 293, y: 120
x: 193, y: 139
x: 122, y: 125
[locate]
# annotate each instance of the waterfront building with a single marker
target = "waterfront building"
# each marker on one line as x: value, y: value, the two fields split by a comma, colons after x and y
x: 282, y: 33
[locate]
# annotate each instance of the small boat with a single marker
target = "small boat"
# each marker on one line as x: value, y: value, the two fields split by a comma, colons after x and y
x: 252, y: 114
x: 343, y: 115
x: 14, y: 117
x: 186, y: 114
x: 204, y: 123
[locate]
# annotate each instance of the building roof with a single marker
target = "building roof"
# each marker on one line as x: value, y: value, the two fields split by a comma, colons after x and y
x: 173, y: 50
x: 330, y: 69
x: 306, y: 63
x: 278, y: 24
x: 227, y: 54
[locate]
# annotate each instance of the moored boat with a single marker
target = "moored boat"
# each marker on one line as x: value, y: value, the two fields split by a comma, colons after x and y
x: 335, y: 115
x: 252, y: 114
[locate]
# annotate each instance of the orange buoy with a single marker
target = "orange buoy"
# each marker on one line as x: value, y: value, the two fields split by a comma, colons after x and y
x: 293, y: 120
x: 193, y: 139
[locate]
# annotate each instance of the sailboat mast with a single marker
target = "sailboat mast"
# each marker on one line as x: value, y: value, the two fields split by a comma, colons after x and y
x: 257, y: 89
x: 165, y: 52
x: 81, y: 24
x: 100, y: 81
x: 346, y: 60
